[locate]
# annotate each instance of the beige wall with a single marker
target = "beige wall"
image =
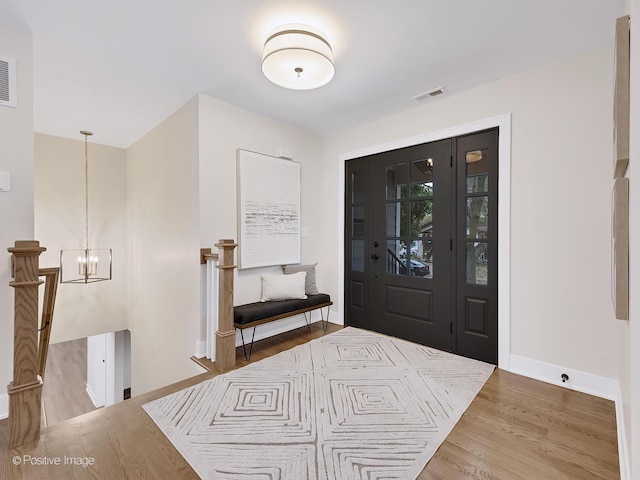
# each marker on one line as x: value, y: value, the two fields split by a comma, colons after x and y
x: 83, y: 310
x: 180, y: 183
x: 561, y: 310
x: 630, y: 338
x: 164, y: 294
x: 156, y: 249
x: 223, y: 129
x: 16, y: 206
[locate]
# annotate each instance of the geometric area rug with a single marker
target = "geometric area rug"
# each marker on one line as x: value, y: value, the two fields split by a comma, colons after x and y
x: 350, y: 405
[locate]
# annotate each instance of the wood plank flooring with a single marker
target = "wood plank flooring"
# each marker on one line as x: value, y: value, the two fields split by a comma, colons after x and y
x: 516, y: 428
x: 64, y: 393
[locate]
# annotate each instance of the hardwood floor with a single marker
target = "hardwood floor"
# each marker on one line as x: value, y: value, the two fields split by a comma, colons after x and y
x: 516, y: 428
x: 64, y: 393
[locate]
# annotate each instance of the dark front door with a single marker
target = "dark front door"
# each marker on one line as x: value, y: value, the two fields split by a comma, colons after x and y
x: 421, y: 244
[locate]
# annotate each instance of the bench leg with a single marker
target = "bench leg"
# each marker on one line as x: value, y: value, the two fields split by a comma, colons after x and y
x: 244, y: 348
x: 325, y: 323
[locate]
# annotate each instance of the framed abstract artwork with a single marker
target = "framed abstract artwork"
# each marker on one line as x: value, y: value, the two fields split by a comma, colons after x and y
x: 268, y: 190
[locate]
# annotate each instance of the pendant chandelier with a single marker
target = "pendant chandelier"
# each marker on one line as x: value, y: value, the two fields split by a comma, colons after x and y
x: 85, y: 265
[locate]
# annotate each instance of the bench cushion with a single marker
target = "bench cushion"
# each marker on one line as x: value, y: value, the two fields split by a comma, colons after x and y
x: 251, y: 312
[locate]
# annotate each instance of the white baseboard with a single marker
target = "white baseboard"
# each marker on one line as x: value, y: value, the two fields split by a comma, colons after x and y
x: 623, y: 448
x: 201, y: 349
x: 582, y: 382
x: 267, y: 330
x: 92, y: 396
x: 334, y: 317
x: 4, y: 406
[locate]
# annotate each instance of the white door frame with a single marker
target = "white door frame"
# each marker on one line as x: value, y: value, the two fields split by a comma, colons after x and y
x: 503, y: 122
x: 97, y: 347
x: 106, y: 368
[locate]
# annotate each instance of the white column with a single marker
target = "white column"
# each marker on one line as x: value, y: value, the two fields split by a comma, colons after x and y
x: 212, y: 306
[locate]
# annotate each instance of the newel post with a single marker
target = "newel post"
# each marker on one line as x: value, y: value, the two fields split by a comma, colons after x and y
x: 25, y: 391
x: 226, y: 334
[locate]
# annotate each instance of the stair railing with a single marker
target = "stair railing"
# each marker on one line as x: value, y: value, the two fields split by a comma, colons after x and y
x: 52, y: 276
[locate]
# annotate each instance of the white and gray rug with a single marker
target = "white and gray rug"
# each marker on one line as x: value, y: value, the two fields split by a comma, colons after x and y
x: 351, y: 405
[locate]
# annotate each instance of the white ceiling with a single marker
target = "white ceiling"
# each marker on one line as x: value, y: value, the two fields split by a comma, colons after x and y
x: 120, y: 67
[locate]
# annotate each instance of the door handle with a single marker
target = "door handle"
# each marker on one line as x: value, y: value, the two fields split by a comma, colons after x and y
x: 375, y: 256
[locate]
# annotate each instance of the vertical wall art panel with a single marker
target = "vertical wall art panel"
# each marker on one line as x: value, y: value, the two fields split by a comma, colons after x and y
x: 620, y: 201
x: 621, y: 98
x: 620, y: 247
x: 268, y: 210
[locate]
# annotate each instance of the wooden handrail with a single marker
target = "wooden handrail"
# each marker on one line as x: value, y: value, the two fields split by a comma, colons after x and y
x: 51, y: 276
x: 206, y: 255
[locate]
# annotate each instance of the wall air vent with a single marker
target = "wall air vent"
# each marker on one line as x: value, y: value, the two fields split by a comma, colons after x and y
x: 8, y: 97
x: 430, y: 94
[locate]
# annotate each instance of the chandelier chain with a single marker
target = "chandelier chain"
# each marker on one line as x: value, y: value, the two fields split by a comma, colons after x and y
x: 86, y: 193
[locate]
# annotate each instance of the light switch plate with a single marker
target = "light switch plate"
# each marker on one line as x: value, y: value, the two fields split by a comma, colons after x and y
x: 5, y: 182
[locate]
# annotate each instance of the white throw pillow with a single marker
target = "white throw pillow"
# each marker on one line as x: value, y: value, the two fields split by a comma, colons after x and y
x: 283, y: 287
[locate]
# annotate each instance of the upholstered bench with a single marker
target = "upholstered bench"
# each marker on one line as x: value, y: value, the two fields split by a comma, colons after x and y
x: 251, y: 315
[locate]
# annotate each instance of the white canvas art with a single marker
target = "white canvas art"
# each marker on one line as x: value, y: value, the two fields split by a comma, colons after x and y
x: 269, y: 210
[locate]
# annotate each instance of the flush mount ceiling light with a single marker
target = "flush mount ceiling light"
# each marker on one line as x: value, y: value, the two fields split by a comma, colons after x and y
x: 298, y: 57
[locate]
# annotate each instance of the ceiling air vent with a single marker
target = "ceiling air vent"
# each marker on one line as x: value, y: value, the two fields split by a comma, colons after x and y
x: 8, y: 96
x: 430, y: 94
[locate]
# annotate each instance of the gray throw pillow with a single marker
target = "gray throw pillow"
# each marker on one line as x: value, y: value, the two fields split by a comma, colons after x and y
x: 310, y: 287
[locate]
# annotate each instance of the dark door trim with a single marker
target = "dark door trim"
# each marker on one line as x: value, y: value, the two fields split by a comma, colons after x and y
x: 503, y: 123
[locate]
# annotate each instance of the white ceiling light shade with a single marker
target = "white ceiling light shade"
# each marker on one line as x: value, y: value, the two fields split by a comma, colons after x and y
x: 298, y: 57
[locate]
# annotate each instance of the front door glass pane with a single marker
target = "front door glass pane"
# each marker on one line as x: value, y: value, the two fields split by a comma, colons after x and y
x: 395, y: 257
x: 421, y: 176
x: 477, y: 216
x: 358, y: 187
x: 476, y: 263
x: 477, y: 165
x: 357, y: 255
x: 409, y: 218
x: 358, y: 221
x: 397, y: 219
x: 397, y: 181
x: 421, y: 258
x: 421, y: 211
